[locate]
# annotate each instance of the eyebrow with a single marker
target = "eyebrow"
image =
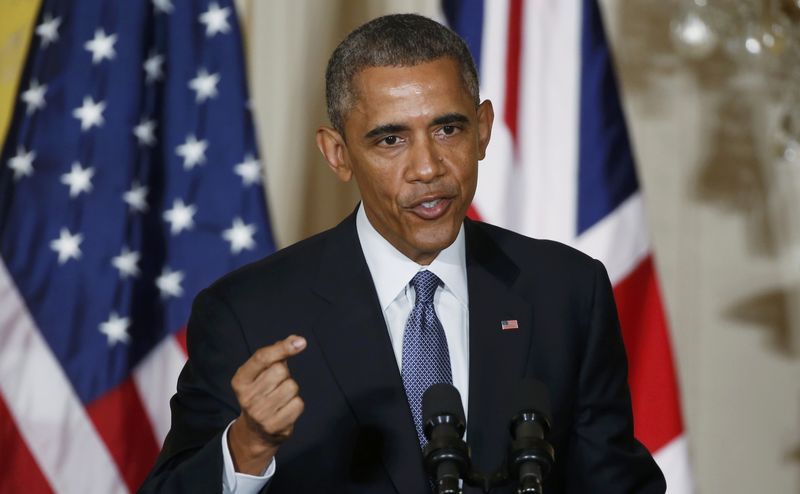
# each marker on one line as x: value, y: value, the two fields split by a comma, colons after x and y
x: 450, y: 118
x: 385, y: 129
x: 445, y: 119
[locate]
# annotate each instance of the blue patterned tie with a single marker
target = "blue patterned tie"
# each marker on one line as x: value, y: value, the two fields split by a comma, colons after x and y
x: 426, y: 360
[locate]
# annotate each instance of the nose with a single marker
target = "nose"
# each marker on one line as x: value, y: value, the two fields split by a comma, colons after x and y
x: 427, y: 162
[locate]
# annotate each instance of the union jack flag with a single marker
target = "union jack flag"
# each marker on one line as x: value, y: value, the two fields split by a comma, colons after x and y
x: 560, y: 166
x: 129, y: 180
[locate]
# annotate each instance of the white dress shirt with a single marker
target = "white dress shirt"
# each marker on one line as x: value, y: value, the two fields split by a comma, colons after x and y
x: 391, y: 273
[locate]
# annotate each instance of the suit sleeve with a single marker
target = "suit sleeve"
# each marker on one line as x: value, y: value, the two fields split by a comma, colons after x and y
x: 603, y: 449
x: 191, y: 459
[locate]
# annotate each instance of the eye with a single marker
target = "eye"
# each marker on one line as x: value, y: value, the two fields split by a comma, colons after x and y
x: 389, y: 141
x: 448, y: 130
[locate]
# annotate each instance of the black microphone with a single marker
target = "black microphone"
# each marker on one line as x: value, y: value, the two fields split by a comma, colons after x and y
x: 446, y: 455
x: 531, y: 457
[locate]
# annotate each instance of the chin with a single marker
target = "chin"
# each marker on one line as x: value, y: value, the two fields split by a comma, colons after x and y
x: 436, y: 243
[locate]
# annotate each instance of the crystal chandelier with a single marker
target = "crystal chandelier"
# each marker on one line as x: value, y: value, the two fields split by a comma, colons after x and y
x: 762, y: 36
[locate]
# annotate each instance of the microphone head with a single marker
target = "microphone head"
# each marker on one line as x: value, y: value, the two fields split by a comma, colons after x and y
x: 442, y: 399
x: 446, y: 456
x: 532, y: 395
x: 531, y: 456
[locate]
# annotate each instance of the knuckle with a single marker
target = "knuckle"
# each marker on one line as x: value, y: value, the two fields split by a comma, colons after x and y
x: 292, y: 387
x: 239, y: 391
x: 297, y: 407
x: 281, y: 371
x: 270, y: 425
x: 245, y: 401
x: 237, y: 381
x: 263, y: 355
x: 260, y: 417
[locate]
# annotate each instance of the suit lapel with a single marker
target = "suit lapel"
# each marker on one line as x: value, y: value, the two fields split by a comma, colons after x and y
x: 497, y: 357
x: 354, y: 339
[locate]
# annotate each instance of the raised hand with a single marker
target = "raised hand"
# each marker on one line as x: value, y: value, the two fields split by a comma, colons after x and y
x: 270, y: 404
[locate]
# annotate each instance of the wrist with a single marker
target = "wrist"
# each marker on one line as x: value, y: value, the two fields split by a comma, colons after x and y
x: 250, y: 454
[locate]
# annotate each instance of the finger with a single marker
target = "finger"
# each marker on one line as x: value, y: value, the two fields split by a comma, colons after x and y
x: 264, y: 405
x: 265, y: 383
x: 268, y: 355
x: 281, y: 422
x: 285, y: 392
x: 290, y: 412
x: 270, y: 378
x: 267, y: 406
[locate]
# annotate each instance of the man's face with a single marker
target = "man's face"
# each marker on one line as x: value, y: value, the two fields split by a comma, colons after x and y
x: 412, y: 140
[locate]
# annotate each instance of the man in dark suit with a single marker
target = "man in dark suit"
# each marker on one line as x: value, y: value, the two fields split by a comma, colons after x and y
x: 405, y: 291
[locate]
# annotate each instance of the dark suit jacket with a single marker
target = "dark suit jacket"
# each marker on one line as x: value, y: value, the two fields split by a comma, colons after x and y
x: 357, y: 434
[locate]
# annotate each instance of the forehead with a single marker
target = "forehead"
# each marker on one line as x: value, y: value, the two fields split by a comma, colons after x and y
x: 402, y: 92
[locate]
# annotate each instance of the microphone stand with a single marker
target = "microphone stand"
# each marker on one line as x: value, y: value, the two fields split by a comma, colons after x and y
x: 447, y: 457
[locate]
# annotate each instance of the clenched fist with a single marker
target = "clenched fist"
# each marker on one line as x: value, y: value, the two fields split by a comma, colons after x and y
x: 270, y: 404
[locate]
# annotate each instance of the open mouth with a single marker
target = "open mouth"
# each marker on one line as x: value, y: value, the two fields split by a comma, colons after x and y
x: 432, y: 209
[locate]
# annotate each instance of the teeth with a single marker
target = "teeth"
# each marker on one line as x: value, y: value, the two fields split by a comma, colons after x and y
x: 430, y: 204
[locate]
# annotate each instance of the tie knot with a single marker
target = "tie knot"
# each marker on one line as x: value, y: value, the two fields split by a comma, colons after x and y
x: 425, y: 284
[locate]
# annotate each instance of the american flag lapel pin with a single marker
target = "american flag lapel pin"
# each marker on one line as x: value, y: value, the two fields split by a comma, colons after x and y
x: 509, y: 325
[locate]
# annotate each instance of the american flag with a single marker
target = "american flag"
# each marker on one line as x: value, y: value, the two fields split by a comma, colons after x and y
x: 129, y: 180
x: 509, y: 324
x: 560, y: 166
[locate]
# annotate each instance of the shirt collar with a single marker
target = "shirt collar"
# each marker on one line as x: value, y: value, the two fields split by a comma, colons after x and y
x: 391, y: 270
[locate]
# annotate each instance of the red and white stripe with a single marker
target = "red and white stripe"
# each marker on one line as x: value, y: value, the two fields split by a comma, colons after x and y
x: 51, y: 441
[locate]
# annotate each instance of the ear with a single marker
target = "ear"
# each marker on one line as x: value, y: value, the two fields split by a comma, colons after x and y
x: 332, y: 146
x: 485, y: 120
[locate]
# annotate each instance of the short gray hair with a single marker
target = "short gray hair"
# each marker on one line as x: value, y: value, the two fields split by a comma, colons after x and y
x: 399, y: 40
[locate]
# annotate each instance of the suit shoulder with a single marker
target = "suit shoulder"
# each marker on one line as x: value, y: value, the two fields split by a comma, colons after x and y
x: 525, y: 251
